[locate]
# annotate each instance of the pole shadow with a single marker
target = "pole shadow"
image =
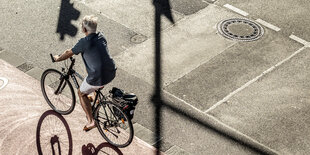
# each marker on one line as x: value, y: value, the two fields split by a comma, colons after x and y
x: 66, y: 14
x: 162, y: 7
x: 53, y: 135
x: 105, y: 148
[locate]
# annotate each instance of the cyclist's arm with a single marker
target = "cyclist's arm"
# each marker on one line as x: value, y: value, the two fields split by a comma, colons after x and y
x: 67, y: 54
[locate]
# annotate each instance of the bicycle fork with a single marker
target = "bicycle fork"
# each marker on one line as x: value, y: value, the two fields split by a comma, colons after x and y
x: 61, y: 86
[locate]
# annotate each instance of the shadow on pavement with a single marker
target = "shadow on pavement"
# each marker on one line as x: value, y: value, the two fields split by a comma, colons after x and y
x: 103, y: 148
x: 53, y: 135
x: 162, y: 7
x: 66, y: 14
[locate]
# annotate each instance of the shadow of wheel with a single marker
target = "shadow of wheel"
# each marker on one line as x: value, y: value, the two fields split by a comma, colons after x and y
x: 53, y: 135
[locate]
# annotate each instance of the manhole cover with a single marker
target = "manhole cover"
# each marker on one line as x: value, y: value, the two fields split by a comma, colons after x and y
x: 240, y: 29
x: 138, y: 38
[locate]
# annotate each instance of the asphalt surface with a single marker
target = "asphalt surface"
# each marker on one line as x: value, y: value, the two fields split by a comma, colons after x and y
x: 221, y: 96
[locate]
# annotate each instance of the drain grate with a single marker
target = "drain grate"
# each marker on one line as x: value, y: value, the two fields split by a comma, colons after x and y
x: 25, y: 67
x: 240, y: 29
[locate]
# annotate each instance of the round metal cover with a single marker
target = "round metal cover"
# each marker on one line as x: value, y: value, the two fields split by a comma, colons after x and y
x: 138, y: 38
x: 240, y: 29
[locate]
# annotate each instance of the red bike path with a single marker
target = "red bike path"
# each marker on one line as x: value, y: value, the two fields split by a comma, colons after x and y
x: 23, y: 111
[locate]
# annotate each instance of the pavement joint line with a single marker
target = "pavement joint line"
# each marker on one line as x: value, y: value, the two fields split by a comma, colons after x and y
x: 182, y: 151
x: 229, y: 130
x: 269, y: 25
x: 183, y: 101
x: 168, y: 83
x: 242, y: 137
x: 237, y: 10
x: 302, y: 41
x: 225, y: 99
x: 205, y: 1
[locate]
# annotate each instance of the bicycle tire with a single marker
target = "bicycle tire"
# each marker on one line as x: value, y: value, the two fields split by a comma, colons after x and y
x: 105, y: 130
x: 62, y: 98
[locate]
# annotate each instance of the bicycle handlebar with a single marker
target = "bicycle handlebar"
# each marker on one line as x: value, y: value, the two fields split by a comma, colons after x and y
x: 53, y: 60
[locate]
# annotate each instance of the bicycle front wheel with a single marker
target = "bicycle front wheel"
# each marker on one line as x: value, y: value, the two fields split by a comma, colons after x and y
x: 113, y: 124
x: 57, y: 91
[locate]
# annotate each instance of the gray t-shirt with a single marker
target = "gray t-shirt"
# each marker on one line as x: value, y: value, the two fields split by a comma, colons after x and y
x: 98, y: 62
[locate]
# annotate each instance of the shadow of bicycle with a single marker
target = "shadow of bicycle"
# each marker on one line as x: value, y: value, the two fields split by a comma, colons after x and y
x: 103, y: 148
x: 53, y: 135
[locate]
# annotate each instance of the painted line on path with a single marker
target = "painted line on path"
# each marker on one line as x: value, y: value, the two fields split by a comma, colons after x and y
x: 302, y: 41
x: 5, y: 82
x: 237, y: 10
x: 271, y: 26
x: 225, y: 99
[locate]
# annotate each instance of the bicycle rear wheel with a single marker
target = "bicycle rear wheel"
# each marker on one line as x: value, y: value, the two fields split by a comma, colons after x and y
x: 113, y: 124
x: 57, y: 91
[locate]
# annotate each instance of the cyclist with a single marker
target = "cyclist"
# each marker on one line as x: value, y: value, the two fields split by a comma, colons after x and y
x: 99, y: 64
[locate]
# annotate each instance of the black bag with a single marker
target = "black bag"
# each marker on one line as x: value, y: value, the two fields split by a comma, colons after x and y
x: 126, y: 101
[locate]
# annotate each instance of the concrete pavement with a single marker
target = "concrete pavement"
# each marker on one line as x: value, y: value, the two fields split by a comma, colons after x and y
x: 222, y: 96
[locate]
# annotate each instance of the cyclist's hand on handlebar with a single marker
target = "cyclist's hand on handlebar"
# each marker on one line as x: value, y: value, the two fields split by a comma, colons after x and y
x: 56, y: 57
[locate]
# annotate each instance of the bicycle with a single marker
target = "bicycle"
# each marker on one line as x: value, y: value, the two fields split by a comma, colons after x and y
x: 113, y: 124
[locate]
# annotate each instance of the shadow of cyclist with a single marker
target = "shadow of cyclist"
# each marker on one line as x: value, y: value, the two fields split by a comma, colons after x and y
x: 105, y: 148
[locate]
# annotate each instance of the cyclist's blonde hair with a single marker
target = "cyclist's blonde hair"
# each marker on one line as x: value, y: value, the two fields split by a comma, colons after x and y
x: 90, y: 23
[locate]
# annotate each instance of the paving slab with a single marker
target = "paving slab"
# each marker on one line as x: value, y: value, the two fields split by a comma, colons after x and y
x: 275, y: 109
x: 188, y: 7
x: 24, y: 111
x: 290, y: 15
x: 190, y: 43
x: 35, y: 73
x: 138, y: 15
x: 145, y: 134
x: 12, y: 58
x: 231, y: 69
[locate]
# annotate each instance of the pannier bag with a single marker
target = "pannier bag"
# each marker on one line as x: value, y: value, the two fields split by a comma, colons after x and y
x: 126, y: 101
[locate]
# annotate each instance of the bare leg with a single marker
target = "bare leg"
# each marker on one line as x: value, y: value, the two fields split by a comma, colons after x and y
x: 87, y: 108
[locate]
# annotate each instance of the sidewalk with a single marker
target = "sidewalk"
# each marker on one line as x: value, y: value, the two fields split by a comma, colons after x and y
x: 23, y: 105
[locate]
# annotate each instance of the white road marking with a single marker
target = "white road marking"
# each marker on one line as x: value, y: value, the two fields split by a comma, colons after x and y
x: 239, y: 11
x: 273, y: 27
x: 225, y: 99
x: 302, y: 41
x: 5, y: 82
x: 183, y: 101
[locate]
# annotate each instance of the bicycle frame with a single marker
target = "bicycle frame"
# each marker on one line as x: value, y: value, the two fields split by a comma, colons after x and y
x: 99, y: 96
x: 71, y: 72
